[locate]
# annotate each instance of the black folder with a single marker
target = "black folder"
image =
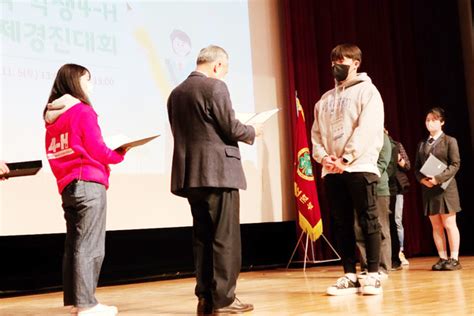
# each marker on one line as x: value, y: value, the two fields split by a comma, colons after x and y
x: 23, y: 168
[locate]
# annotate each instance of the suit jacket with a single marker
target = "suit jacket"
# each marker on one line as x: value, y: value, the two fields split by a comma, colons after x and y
x: 435, y: 199
x: 398, y: 179
x: 206, y: 132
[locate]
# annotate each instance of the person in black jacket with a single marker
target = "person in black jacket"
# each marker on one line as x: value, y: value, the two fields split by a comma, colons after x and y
x: 399, y: 184
x: 441, y: 205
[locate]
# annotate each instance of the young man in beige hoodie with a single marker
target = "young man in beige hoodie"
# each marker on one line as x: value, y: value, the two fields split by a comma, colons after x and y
x: 347, y: 136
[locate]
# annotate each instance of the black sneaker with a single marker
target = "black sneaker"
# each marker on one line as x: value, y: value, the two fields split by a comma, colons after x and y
x: 344, y: 286
x: 438, y: 266
x: 452, y: 264
x: 396, y: 267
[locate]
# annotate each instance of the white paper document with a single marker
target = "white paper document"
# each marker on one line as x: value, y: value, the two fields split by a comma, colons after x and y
x: 253, y: 118
x: 433, y: 167
x: 122, y: 141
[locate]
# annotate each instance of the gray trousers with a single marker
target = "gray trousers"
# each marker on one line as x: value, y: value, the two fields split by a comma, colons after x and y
x: 84, y: 205
x: 383, y: 210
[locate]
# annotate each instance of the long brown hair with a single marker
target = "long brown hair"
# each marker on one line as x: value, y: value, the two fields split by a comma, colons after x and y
x: 68, y: 82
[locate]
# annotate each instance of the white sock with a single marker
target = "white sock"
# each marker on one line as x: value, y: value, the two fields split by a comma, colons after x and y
x: 351, y: 276
x: 443, y: 254
x: 455, y: 255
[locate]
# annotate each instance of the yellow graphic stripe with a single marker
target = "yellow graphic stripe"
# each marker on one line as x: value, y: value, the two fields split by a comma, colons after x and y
x: 144, y: 40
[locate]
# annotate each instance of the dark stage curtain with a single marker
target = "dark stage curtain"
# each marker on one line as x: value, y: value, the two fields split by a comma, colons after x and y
x: 412, y: 52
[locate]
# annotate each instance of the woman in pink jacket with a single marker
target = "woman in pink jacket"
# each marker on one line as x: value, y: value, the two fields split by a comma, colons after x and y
x: 80, y: 162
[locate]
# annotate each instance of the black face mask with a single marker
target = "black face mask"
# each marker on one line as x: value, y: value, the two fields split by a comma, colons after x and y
x: 340, y: 71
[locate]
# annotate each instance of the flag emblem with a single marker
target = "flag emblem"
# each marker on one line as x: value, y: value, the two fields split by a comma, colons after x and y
x: 305, y: 170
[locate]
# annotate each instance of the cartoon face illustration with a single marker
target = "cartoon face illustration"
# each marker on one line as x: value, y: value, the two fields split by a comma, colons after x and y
x: 180, y: 47
x: 180, y: 42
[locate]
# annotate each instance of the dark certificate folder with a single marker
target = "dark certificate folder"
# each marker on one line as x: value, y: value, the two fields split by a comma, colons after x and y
x: 23, y: 168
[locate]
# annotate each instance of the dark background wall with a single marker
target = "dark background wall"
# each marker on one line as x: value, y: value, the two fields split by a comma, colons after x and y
x: 33, y: 263
x: 412, y: 50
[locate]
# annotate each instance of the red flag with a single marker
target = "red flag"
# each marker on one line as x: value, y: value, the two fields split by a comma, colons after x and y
x: 309, y: 214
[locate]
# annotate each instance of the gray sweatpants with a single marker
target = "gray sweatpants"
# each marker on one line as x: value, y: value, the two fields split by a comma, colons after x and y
x: 84, y: 205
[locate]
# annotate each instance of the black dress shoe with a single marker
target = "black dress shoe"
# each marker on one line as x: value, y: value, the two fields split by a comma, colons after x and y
x: 204, y: 307
x: 236, y: 307
x: 396, y: 267
x: 438, y: 266
x: 451, y: 265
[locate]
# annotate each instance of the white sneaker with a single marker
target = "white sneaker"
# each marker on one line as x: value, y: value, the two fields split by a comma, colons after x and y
x: 362, y: 275
x: 343, y: 286
x: 99, y: 309
x: 403, y: 260
x: 383, y: 276
x: 372, y: 286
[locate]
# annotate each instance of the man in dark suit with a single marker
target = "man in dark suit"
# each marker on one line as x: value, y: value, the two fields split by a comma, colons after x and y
x: 207, y: 170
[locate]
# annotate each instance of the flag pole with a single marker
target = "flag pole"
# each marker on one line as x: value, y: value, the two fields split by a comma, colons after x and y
x: 306, y: 252
x: 294, y: 251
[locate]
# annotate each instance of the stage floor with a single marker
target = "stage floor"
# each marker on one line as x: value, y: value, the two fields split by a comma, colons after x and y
x: 415, y: 290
